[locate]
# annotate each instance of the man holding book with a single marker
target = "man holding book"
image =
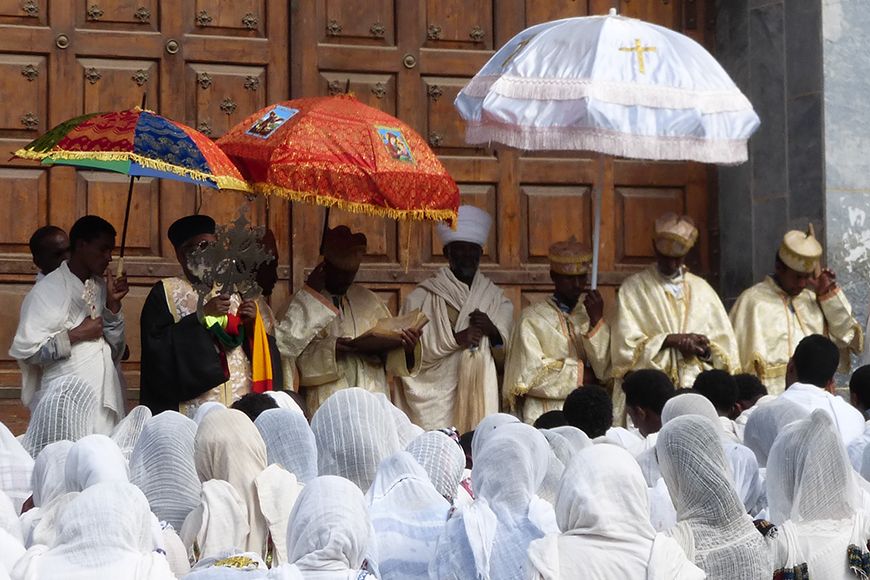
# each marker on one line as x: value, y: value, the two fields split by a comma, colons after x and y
x: 321, y: 335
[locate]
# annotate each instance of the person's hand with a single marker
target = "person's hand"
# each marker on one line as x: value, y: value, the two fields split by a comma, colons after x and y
x: 217, y: 306
x: 594, y: 303
x: 317, y: 278
x: 689, y: 344
x: 116, y: 289
x: 410, y: 338
x: 247, y: 312
x: 482, y: 321
x: 469, y: 338
x: 343, y: 346
x: 825, y: 283
x: 89, y: 329
x: 700, y: 345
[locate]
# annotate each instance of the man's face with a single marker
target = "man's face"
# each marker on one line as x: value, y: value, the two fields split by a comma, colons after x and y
x: 96, y: 255
x: 668, y: 266
x: 791, y: 281
x: 183, y: 252
x: 568, y: 288
x: 645, y: 421
x: 337, y: 280
x: 464, y: 260
x: 54, y: 250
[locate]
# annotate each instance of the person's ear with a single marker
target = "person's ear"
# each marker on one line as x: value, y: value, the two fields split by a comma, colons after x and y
x: 735, y: 411
x: 831, y: 387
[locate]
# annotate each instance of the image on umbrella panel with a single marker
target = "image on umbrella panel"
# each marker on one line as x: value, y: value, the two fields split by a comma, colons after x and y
x: 396, y: 145
x: 271, y: 122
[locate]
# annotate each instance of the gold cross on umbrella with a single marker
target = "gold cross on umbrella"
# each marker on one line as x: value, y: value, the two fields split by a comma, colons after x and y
x: 639, y: 49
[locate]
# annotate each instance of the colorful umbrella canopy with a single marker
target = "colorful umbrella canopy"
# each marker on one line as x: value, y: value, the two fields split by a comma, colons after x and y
x: 336, y: 151
x: 138, y: 143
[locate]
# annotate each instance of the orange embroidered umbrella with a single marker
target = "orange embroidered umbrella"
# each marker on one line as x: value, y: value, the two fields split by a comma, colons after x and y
x: 336, y: 151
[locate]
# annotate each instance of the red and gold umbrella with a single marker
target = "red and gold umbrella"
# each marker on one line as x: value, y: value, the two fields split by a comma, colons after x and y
x: 336, y: 151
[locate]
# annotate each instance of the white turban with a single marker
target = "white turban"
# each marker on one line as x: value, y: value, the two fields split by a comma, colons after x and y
x: 472, y: 226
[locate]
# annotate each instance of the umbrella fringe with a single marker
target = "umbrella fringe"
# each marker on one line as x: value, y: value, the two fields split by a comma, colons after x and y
x: 447, y: 215
x: 222, y: 181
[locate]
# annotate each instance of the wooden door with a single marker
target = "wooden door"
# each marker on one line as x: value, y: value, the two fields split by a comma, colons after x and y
x: 410, y: 58
x: 207, y: 63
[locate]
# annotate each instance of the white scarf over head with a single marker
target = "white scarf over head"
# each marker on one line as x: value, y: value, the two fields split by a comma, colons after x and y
x: 766, y: 422
x: 712, y: 526
x: 203, y: 410
x: 603, y: 510
x: 106, y: 532
x: 65, y: 412
x: 11, y: 537
x: 443, y: 460
x: 229, y: 447
x: 49, y: 483
x: 219, y: 523
x: 490, y: 538
x: 486, y: 427
x: 162, y: 466
x: 94, y: 459
x: 289, y: 441
x: 355, y: 430
x: 408, y: 516
x: 329, y: 530
x: 16, y: 468
x: 127, y: 432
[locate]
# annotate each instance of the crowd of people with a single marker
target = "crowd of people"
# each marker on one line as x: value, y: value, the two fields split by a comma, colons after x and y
x: 669, y: 440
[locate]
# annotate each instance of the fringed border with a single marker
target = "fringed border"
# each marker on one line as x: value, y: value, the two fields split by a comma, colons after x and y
x: 435, y: 215
x: 614, y: 92
x: 222, y: 181
x: 731, y: 152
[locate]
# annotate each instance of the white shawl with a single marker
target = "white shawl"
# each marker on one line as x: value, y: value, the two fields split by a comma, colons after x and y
x: 219, y: 523
x: 16, y: 467
x: 94, y: 459
x: 289, y: 441
x: 65, y: 412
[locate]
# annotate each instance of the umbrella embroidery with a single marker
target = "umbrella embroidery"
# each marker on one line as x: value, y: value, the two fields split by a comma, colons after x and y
x: 271, y: 122
x: 640, y: 50
x: 396, y: 144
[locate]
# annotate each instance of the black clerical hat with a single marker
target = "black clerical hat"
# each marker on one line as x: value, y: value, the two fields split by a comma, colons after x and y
x: 189, y: 226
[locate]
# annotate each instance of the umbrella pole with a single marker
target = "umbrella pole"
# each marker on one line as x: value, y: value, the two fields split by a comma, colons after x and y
x: 596, y: 224
x: 120, y: 270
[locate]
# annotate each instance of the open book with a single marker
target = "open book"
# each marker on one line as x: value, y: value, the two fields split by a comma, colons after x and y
x: 386, y: 334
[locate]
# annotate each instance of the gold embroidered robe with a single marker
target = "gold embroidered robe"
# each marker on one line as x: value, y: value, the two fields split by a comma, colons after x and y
x: 548, y: 352
x: 769, y: 324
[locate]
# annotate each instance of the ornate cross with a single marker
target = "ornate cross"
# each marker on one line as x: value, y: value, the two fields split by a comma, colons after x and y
x: 640, y: 50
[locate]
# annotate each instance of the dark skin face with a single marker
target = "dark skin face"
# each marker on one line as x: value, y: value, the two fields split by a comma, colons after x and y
x: 54, y: 250
x: 183, y: 251
x: 336, y: 280
x: 668, y: 267
x: 568, y: 288
x: 92, y: 258
x: 645, y: 420
x: 791, y: 281
x: 464, y: 260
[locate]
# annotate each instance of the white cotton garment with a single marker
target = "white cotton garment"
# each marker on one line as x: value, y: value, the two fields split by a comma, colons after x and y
x: 218, y: 524
x: 443, y: 460
x: 289, y: 441
x: 11, y: 537
x: 285, y: 401
x: 814, y: 499
x: 49, y: 483
x: 94, y: 459
x: 712, y: 525
x: 354, y: 431
x: 203, y: 410
x: 485, y: 428
x: 65, y: 412
x: 489, y: 540
x: 176, y: 553
x: 329, y: 532
x: 229, y: 447
x: 766, y: 422
x: 277, y: 491
x: 857, y: 448
x: 162, y: 466
x: 16, y: 468
x: 106, y: 532
x: 848, y: 420
x: 408, y: 516
x: 603, y: 509
x: 128, y: 430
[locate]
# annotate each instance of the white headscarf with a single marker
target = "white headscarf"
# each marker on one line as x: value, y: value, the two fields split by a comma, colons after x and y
x: 603, y: 509
x: 713, y: 527
x: 765, y: 423
x: 408, y: 516
x: 49, y: 483
x: 106, y: 532
x: 65, y: 412
x: 127, y: 432
x: 229, y: 447
x: 285, y: 401
x: 443, y: 460
x: 277, y: 490
x: 566, y: 442
x: 219, y: 523
x: 354, y: 431
x: 162, y: 466
x: 94, y: 459
x: 289, y: 441
x: 16, y: 468
x: 203, y: 410
x: 329, y: 530
x: 11, y: 544
x: 486, y: 427
x: 491, y: 537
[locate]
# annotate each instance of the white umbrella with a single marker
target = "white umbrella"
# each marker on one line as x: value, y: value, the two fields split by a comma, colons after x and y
x: 612, y: 85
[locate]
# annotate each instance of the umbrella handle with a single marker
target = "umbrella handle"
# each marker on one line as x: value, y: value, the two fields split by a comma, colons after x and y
x: 596, y: 224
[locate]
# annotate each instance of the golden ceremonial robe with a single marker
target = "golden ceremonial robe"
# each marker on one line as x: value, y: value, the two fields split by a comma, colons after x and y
x: 649, y: 309
x: 548, y: 353
x: 306, y: 338
x: 769, y: 324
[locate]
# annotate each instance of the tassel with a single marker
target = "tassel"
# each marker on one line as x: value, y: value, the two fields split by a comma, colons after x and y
x: 469, y: 407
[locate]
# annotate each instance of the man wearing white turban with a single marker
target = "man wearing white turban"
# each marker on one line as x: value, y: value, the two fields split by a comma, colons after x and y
x: 469, y: 326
